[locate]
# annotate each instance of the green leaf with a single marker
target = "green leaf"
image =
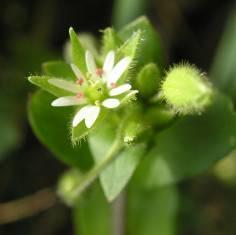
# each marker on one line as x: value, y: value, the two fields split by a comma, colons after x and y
x: 92, y: 214
x: 58, y: 69
x: 110, y: 40
x: 77, y: 51
x: 42, y: 82
x: 191, y: 145
x: 152, y: 212
x: 125, y: 11
x: 223, y: 71
x: 117, y: 174
x: 150, y: 49
x: 51, y: 126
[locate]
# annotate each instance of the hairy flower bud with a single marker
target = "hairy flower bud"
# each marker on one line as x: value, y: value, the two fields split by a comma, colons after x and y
x: 186, y: 89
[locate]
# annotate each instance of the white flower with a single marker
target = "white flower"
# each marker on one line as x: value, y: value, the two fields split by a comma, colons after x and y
x: 96, y: 89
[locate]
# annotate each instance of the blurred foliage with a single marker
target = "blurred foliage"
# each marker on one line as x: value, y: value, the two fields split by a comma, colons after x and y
x: 223, y: 70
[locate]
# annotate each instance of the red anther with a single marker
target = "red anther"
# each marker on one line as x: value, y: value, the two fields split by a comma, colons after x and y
x: 99, y: 72
x: 79, y: 95
x: 113, y: 85
x: 80, y: 81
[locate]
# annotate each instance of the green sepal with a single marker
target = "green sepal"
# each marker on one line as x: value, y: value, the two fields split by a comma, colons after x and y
x: 42, y: 82
x: 110, y: 40
x: 58, y: 69
x: 148, y: 80
x: 51, y: 126
x: 129, y: 48
x: 77, y: 51
x: 150, y: 49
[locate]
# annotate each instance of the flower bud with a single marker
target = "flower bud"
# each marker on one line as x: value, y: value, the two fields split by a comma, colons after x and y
x: 148, y: 80
x: 186, y: 89
x: 67, y: 183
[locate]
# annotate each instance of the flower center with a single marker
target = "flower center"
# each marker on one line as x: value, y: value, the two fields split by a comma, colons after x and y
x: 96, y: 92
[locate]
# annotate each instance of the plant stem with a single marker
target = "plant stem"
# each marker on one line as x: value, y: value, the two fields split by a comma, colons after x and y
x: 97, y: 169
x: 118, y: 214
x: 27, y: 206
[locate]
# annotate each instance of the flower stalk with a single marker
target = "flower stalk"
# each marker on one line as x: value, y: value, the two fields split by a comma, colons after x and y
x: 93, y: 174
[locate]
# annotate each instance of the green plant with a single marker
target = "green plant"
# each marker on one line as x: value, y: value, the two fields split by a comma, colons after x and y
x: 127, y: 117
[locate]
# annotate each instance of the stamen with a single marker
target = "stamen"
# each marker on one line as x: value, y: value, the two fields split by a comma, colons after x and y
x: 99, y: 72
x: 79, y: 95
x: 113, y: 85
x: 80, y: 81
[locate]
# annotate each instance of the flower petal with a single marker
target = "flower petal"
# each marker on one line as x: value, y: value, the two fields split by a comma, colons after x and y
x: 91, y: 66
x: 80, y: 115
x: 111, y: 103
x: 91, y: 115
x: 65, y: 85
x: 68, y: 101
x: 120, y: 89
x: 118, y: 70
x: 109, y: 62
x: 76, y: 71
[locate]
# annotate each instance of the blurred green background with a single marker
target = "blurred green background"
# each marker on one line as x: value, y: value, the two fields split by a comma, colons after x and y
x: 200, y: 31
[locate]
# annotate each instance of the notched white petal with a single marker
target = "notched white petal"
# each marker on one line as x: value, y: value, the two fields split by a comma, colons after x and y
x: 120, y: 89
x: 80, y: 115
x: 76, y: 71
x: 68, y: 101
x: 118, y: 70
x: 91, y: 115
x: 91, y: 66
x: 111, y: 103
x: 109, y: 62
x: 65, y: 85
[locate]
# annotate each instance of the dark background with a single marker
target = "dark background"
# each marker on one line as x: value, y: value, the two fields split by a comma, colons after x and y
x: 32, y: 31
